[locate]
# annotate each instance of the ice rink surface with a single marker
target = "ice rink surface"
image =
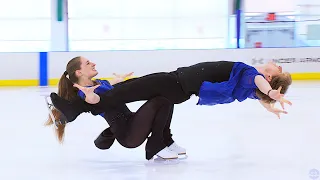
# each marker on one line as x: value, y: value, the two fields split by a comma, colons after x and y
x: 239, y: 141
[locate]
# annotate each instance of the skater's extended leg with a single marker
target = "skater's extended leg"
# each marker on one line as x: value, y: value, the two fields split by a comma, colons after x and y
x: 145, y: 88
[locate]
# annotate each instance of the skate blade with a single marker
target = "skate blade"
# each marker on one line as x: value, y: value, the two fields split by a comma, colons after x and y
x: 183, y: 156
x: 161, y: 161
x: 50, y: 107
x: 166, y: 158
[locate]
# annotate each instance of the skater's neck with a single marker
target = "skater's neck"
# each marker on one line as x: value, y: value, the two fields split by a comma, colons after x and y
x: 261, y: 69
x: 86, y: 82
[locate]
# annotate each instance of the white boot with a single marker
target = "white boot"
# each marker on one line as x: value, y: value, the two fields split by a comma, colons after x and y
x: 165, y: 153
x: 177, y: 149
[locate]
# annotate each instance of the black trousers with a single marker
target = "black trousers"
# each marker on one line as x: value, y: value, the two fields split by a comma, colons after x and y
x: 152, y: 117
x: 143, y: 88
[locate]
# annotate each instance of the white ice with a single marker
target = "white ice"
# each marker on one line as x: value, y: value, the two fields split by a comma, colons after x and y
x: 239, y: 141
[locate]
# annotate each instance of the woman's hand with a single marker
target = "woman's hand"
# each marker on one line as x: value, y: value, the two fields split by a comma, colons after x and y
x: 276, y: 95
x: 122, y: 77
x: 91, y: 96
x: 86, y: 90
x: 272, y: 109
x: 276, y: 111
x: 119, y: 78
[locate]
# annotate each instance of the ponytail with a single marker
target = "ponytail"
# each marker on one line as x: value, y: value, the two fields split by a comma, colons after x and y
x: 66, y: 91
x: 65, y: 88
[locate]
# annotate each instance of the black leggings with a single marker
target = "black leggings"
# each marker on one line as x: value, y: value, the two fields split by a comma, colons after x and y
x: 143, y: 88
x: 152, y: 117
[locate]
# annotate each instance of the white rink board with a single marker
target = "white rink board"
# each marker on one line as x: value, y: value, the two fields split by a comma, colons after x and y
x: 145, y: 62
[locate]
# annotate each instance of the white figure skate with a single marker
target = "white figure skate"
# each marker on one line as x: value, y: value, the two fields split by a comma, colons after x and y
x: 179, y: 150
x: 165, y: 156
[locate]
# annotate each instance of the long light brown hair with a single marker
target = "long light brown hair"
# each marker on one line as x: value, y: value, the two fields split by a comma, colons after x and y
x: 66, y: 91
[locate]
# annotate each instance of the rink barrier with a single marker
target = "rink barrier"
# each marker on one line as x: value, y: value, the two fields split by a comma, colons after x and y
x: 52, y: 64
